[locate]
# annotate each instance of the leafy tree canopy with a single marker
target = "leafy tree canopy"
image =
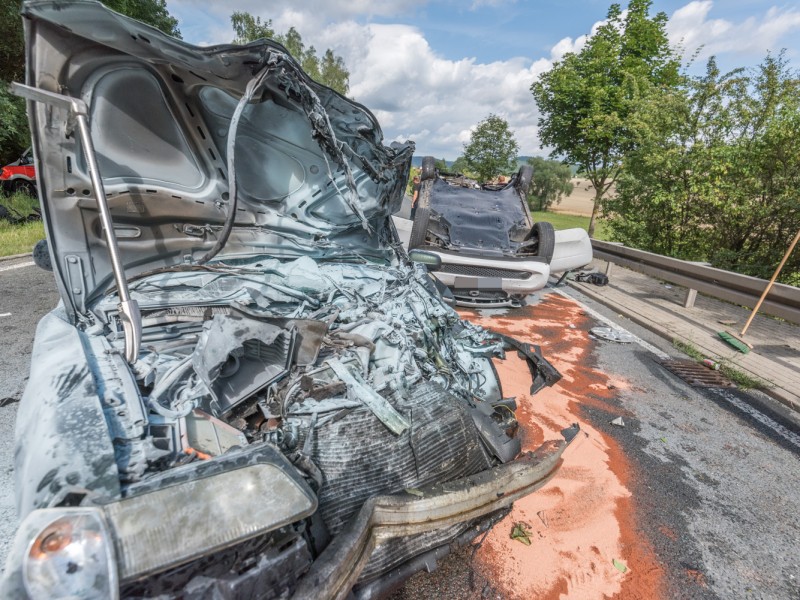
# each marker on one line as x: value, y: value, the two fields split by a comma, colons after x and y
x: 492, y: 149
x: 550, y: 182
x: 14, y: 133
x: 152, y: 12
x: 586, y: 99
x: 715, y: 172
x: 329, y: 70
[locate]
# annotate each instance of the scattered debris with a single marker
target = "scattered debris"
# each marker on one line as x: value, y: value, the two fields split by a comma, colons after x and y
x: 612, y: 335
x: 669, y: 287
x: 593, y: 278
x: 543, y: 517
x: 618, y: 421
x: 521, y: 534
x: 571, y: 326
x: 711, y: 364
x: 611, y: 386
x: 663, y: 439
x: 727, y: 321
x: 734, y: 342
x: 415, y: 492
x: 8, y: 400
x: 621, y: 567
x: 5, y: 314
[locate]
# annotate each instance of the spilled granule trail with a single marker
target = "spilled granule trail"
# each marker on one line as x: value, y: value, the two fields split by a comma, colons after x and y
x: 583, y: 519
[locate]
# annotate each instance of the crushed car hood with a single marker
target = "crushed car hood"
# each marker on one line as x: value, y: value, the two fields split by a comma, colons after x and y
x: 312, y: 174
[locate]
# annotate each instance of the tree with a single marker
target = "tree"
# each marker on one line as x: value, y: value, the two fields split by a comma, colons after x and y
x: 715, y: 171
x: 248, y: 28
x: 587, y: 98
x: 492, y: 149
x: 550, y: 181
x: 330, y: 70
x: 14, y: 133
x: 152, y: 12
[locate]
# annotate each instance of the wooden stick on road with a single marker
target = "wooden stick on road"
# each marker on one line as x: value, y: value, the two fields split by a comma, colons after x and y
x: 771, y: 281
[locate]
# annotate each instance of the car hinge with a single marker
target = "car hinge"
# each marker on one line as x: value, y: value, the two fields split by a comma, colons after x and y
x: 128, y: 309
x: 76, y: 281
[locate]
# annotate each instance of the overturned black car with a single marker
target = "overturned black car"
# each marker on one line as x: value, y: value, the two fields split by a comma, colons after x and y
x: 248, y: 390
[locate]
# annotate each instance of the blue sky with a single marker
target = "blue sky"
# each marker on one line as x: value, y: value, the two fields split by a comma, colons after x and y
x: 431, y: 70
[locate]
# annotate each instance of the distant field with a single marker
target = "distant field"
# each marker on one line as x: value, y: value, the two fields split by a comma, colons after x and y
x: 562, y: 221
x: 580, y: 201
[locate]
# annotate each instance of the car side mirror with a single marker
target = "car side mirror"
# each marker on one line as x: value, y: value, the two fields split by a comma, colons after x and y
x: 430, y: 259
x: 41, y: 255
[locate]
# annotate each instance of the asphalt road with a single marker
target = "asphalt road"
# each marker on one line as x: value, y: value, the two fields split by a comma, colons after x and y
x: 705, y: 483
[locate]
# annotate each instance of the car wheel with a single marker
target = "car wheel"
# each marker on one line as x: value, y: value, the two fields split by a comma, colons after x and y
x: 428, y: 168
x: 419, y: 229
x: 524, y: 177
x: 546, y: 236
x: 24, y: 187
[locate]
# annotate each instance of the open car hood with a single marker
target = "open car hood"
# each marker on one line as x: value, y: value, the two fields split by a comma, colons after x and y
x: 312, y: 174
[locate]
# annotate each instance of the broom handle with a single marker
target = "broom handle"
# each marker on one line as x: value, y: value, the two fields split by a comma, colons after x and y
x: 771, y: 281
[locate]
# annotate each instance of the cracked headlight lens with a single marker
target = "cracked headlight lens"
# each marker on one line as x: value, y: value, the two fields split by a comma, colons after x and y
x: 70, y: 557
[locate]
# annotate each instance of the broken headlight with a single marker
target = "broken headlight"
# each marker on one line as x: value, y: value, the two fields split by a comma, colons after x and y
x: 70, y: 556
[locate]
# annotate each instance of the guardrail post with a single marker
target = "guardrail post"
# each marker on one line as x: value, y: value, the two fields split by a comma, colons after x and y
x: 691, y: 295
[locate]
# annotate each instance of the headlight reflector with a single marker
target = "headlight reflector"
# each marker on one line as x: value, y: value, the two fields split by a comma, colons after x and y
x: 71, y: 557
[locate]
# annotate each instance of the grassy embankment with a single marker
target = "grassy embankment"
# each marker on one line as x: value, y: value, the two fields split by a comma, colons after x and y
x: 560, y: 221
x: 18, y: 238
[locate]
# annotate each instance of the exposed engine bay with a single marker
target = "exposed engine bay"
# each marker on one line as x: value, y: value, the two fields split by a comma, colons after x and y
x: 290, y: 353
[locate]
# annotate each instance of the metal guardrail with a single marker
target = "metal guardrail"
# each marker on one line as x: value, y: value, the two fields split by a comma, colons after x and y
x: 783, y: 300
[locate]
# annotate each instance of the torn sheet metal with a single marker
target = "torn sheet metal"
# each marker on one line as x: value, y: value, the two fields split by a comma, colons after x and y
x: 236, y: 356
x: 393, y: 420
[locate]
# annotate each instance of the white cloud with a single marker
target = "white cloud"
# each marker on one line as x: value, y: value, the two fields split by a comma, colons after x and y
x: 418, y: 94
x: 691, y: 28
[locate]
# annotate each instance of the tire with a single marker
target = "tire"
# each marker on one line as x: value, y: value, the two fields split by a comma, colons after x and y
x: 546, y: 236
x: 428, y: 168
x: 41, y: 255
x: 524, y: 177
x: 25, y: 187
x: 419, y: 229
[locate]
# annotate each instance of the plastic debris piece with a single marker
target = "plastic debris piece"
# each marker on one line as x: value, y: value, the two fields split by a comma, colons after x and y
x: 663, y: 439
x: 612, y: 335
x: 618, y: 421
x: 8, y: 400
x: 543, y: 517
x: 5, y: 314
x: 620, y: 566
x: 727, y: 321
x: 415, y: 492
x: 711, y: 364
x: 521, y: 534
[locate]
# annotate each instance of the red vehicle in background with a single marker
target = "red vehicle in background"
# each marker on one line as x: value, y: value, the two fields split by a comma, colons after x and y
x: 19, y: 176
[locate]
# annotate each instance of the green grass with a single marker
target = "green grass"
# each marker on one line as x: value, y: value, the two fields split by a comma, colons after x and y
x: 18, y: 239
x: 21, y: 237
x: 560, y: 221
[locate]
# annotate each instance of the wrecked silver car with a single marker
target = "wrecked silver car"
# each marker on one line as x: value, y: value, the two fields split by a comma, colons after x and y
x: 248, y: 390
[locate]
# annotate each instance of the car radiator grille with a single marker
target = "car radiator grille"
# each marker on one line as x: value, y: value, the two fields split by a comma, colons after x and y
x: 359, y: 457
x: 477, y: 271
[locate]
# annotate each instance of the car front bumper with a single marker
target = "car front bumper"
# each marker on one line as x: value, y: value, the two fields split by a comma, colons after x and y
x: 384, y: 518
